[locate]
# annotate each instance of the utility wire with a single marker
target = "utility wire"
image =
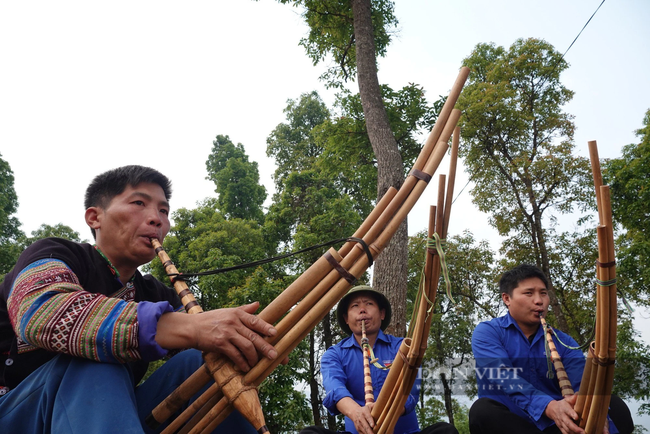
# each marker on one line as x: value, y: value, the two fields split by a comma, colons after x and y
x: 585, y: 26
x: 562, y: 57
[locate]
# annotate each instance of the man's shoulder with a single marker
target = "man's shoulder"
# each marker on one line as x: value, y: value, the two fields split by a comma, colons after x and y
x: 70, y: 252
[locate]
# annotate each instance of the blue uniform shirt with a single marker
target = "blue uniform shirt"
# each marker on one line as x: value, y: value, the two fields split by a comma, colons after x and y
x: 342, y: 371
x: 512, y: 370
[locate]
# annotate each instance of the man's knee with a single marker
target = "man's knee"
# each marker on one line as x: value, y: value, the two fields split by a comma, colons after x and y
x: 481, y: 409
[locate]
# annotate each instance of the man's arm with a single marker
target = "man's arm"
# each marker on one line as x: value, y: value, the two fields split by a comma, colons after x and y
x: 496, y: 369
x: 49, y: 309
x: 234, y: 333
x: 338, y: 399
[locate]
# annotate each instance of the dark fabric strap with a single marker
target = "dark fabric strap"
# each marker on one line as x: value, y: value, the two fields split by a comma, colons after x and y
x: 420, y: 175
x: 338, y: 267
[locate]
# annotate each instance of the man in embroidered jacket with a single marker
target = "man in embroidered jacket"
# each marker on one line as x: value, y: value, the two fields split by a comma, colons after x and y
x: 79, y: 323
x: 342, y: 367
x: 516, y: 394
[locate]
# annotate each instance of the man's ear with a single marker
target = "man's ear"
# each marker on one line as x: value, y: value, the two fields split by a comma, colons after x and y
x: 93, y: 217
x: 382, y: 314
x: 506, y: 299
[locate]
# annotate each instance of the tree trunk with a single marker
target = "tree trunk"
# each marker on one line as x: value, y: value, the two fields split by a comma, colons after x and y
x: 313, y: 381
x: 390, y: 269
x: 328, y: 341
x: 447, y: 394
x: 545, y: 265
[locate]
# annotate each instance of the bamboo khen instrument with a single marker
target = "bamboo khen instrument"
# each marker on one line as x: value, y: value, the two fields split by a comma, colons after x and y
x: 367, y: 378
x: 302, y: 305
x: 562, y: 377
x: 404, y: 370
x: 598, y: 376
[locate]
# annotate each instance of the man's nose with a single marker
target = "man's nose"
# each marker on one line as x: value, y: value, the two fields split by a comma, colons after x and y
x: 154, y: 217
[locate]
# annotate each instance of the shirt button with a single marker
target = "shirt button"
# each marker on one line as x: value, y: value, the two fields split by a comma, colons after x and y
x: 9, y: 362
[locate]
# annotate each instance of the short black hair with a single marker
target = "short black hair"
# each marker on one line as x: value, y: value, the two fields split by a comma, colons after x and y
x: 510, y: 279
x: 111, y: 183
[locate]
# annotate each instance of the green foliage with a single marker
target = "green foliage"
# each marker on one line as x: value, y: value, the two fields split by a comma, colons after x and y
x: 331, y: 34
x: 237, y: 181
x: 347, y: 155
x: 518, y: 142
x: 629, y: 180
x: 60, y: 230
x: 292, y: 144
x: 203, y: 239
x: 632, y: 372
x: 10, y: 233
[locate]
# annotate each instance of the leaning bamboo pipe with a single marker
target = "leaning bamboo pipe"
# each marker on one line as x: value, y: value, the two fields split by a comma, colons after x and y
x: 562, y: 377
x: 597, y: 379
x: 367, y: 378
x: 245, y: 400
x: 446, y: 110
x: 605, y: 348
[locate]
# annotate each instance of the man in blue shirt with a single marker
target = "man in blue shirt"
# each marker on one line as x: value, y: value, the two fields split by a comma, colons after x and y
x: 342, y: 367
x: 515, y: 393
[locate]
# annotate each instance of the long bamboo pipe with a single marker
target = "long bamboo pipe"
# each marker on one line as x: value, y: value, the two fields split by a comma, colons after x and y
x: 562, y: 377
x: 367, y: 378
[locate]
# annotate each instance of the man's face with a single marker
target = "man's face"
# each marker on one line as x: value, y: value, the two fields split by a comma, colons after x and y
x: 364, y: 308
x: 528, y: 303
x: 125, y: 226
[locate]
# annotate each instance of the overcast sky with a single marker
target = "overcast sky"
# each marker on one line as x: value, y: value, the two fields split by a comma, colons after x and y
x: 88, y: 86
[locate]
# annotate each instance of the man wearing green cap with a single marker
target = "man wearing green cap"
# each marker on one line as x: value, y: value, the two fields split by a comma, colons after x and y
x: 342, y: 366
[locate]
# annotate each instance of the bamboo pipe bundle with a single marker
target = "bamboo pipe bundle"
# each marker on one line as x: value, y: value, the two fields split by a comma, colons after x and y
x: 562, y: 377
x: 598, y: 376
x: 322, y: 298
x: 403, y: 372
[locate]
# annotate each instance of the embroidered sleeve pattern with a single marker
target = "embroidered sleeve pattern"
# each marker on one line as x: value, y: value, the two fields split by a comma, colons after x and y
x: 49, y: 309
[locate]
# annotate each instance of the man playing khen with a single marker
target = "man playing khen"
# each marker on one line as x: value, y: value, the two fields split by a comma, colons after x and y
x: 342, y: 366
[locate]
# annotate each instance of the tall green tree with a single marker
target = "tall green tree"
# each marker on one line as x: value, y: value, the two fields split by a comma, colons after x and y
x: 629, y: 179
x: 10, y: 233
x: 307, y: 209
x: 354, y: 34
x: 237, y: 180
x: 518, y: 145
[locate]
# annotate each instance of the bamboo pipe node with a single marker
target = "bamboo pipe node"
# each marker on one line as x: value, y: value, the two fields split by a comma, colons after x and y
x: 601, y: 361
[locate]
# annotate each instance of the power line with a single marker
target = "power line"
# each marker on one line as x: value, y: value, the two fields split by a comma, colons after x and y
x: 562, y: 57
x: 585, y: 26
